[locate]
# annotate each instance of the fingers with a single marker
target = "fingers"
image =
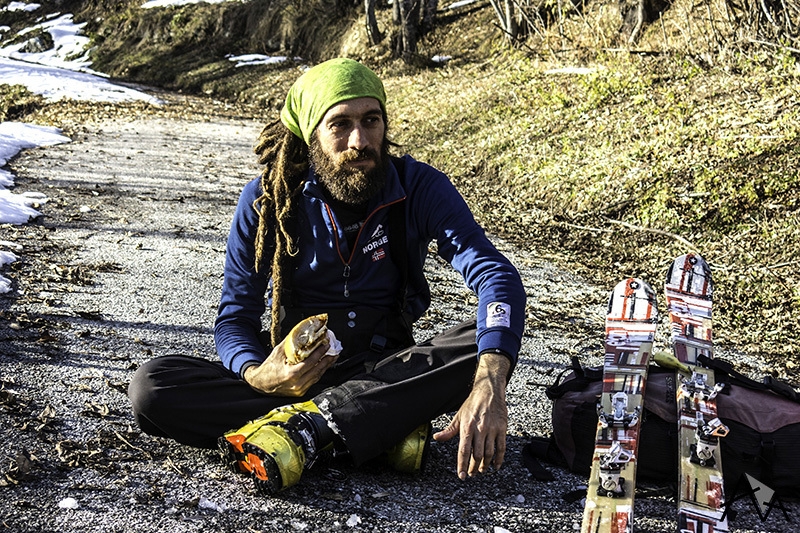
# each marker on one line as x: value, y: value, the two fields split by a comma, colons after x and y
x: 319, y: 351
x: 482, y: 459
x: 321, y: 361
x: 480, y: 453
x: 499, y: 452
x: 295, y: 380
x: 480, y: 449
x: 306, y: 373
x: 466, y: 457
x: 447, y: 433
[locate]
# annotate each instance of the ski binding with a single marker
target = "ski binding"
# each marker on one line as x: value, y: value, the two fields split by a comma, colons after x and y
x: 620, y: 416
x: 611, y: 483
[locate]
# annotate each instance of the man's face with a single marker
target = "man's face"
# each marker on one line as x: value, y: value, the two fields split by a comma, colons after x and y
x: 348, y: 150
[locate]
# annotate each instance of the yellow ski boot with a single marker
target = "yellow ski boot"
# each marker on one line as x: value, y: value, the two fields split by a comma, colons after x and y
x: 410, y: 454
x: 230, y: 445
x: 278, y: 446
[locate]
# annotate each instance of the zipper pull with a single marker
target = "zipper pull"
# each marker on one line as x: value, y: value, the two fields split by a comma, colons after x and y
x: 346, y: 275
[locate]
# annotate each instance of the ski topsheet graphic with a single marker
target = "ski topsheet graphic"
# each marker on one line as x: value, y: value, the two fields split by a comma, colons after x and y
x: 630, y: 327
x: 701, y: 502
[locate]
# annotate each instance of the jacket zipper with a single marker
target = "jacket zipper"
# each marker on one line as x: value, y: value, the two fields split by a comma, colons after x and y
x: 346, y: 272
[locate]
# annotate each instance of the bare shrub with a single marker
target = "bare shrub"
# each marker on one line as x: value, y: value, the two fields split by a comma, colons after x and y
x: 713, y: 26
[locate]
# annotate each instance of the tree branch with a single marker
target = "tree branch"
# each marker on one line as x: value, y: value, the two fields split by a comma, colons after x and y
x: 655, y: 231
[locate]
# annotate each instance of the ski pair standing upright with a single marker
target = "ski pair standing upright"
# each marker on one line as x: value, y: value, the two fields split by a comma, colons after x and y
x: 631, y: 324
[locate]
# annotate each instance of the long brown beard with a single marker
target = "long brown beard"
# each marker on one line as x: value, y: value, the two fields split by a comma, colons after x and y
x: 351, y: 186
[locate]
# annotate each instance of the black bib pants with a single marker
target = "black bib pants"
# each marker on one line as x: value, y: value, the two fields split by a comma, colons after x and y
x: 375, y: 400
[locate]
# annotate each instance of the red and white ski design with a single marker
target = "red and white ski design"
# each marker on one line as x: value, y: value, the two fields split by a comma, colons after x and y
x: 631, y: 324
x: 689, y: 290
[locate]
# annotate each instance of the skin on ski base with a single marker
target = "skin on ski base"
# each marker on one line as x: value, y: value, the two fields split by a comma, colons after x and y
x: 630, y: 328
x: 689, y: 299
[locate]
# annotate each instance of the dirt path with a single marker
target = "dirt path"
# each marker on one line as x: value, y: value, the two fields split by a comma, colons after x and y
x: 127, y: 265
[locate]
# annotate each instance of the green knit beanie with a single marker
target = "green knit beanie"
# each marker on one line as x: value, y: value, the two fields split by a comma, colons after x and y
x: 323, y: 86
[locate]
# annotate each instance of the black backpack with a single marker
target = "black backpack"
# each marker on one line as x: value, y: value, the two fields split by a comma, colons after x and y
x: 763, y: 418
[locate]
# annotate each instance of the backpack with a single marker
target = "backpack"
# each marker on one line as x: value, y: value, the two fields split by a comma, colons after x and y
x: 763, y: 418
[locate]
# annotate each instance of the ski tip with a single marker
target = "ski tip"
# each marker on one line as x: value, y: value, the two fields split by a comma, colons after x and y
x: 633, y: 299
x: 690, y: 274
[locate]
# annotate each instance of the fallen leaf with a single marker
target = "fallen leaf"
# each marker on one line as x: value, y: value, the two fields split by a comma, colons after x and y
x: 96, y: 409
x: 47, y: 414
x: 46, y: 337
x: 7, y: 397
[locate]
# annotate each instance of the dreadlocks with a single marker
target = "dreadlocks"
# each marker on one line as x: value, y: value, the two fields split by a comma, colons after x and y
x: 285, y: 157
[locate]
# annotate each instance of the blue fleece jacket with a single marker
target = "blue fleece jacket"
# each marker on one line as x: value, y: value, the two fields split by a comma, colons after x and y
x: 331, y: 275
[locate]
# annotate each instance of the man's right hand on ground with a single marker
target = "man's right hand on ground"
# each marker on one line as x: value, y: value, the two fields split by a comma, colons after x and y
x: 276, y: 377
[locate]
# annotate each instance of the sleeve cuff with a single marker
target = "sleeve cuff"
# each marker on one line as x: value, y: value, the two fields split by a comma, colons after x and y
x: 245, y: 366
x: 242, y: 360
x: 500, y: 339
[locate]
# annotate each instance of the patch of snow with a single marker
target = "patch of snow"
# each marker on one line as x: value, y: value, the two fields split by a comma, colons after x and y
x: 62, y: 71
x: 167, y: 3
x: 461, y: 3
x: 56, y: 83
x: 69, y: 503
x: 5, y: 258
x: 257, y: 59
x: 16, y: 136
x: 18, y: 208
x: 21, y: 6
x: 69, y: 46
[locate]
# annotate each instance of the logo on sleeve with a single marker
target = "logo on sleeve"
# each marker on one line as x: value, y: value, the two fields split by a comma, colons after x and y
x: 498, y: 315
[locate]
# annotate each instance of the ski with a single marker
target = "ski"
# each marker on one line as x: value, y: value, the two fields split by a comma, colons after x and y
x: 631, y: 324
x: 689, y: 291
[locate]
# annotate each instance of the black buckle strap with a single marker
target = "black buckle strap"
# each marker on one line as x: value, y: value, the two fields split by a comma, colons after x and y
x: 768, y: 382
x: 779, y: 387
x: 583, y: 376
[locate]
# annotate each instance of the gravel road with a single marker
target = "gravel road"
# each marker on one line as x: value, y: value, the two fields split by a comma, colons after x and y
x: 126, y: 265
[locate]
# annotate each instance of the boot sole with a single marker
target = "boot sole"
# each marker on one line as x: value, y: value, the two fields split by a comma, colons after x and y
x: 233, y: 459
x: 266, y: 473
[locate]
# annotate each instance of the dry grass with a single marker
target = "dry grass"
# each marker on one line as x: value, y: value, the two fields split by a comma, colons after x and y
x: 624, y: 167
x: 16, y: 101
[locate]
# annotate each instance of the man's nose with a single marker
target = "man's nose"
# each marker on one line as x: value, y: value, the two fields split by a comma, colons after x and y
x: 357, y: 139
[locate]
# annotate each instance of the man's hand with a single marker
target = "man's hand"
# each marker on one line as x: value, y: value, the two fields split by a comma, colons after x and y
x: 482, y: 420
x: 276, y: 377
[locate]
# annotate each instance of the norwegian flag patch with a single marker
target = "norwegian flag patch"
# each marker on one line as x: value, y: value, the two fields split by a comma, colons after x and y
x: 378, y: 254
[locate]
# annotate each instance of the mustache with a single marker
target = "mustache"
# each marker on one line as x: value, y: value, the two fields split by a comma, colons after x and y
x: 359, y: 155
